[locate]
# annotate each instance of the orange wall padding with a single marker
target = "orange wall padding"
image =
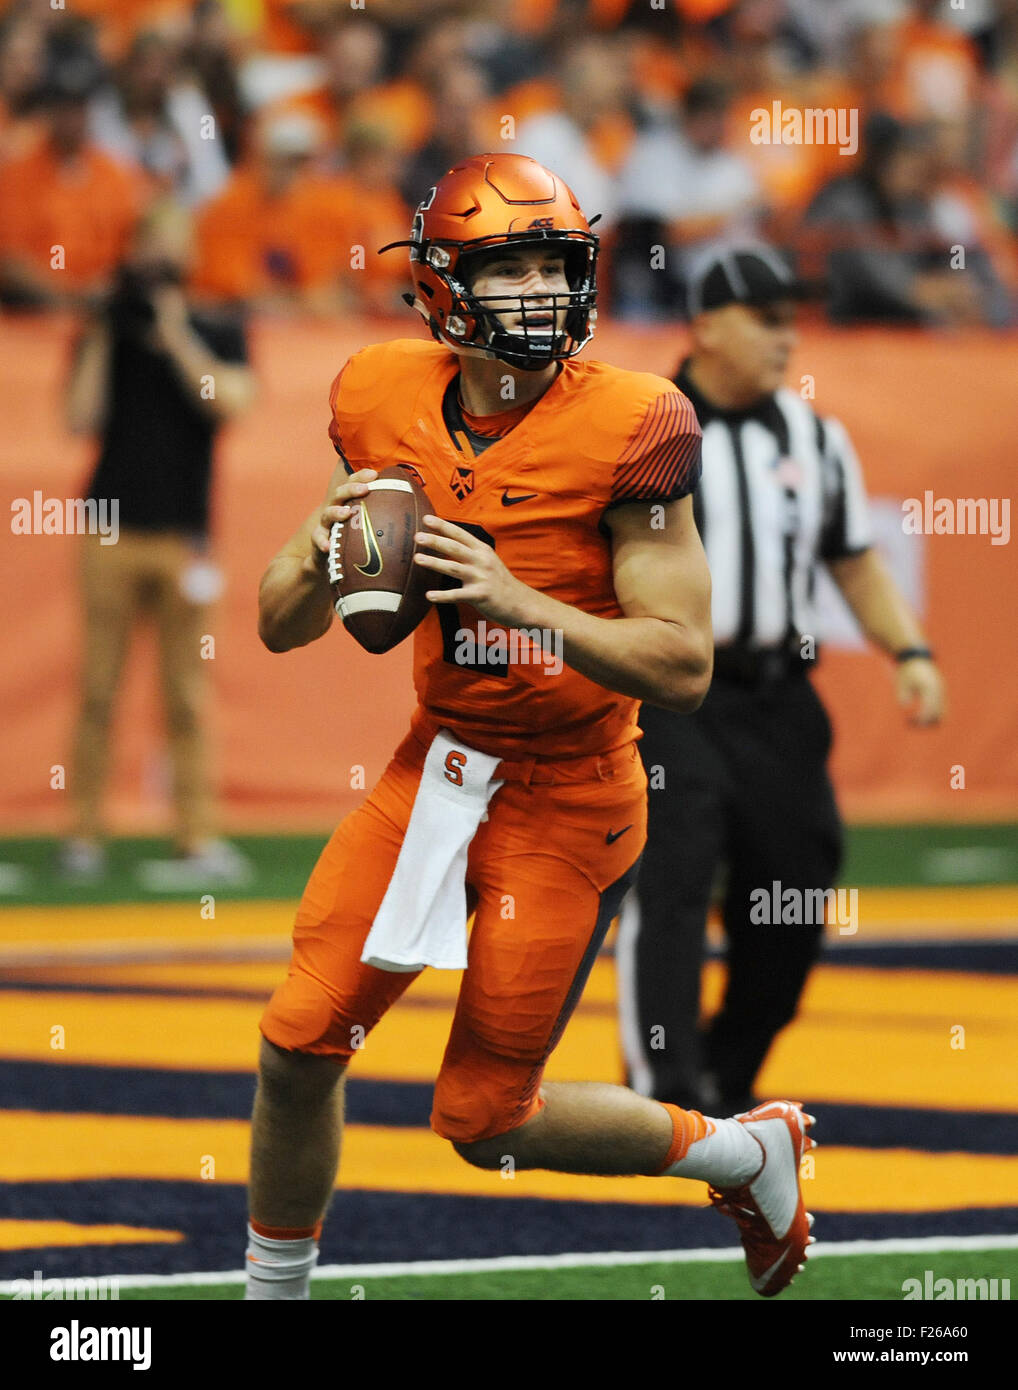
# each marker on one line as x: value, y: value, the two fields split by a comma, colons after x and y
x: 925, y: 411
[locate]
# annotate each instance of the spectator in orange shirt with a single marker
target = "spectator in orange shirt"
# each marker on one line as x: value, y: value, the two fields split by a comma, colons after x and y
x: 285, y: 237
x: 935, y: 74
x: 374, y: 215
x: 285, y: 28
x: 353, y: 55
x: 403, y: 106
x: 66, y: 209
x: 762, y: 71
x: 274, y: 236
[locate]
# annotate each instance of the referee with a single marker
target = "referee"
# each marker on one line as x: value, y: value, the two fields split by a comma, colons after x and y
x: 741, y: 785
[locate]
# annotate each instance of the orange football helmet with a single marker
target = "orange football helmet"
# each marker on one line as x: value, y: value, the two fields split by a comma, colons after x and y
x: 496, y: 200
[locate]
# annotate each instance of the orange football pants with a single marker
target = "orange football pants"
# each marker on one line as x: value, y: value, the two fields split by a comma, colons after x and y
x: 545, y: 876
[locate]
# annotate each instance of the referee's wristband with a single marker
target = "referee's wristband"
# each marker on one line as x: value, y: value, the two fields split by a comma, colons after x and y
x: 911, y: 653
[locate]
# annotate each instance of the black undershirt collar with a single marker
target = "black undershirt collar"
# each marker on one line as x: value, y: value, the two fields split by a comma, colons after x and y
x: 706, y: 410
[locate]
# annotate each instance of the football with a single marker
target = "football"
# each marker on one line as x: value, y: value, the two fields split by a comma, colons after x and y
x: 378, y: 591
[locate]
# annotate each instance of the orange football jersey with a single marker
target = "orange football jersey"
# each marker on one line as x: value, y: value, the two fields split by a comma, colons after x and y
x: 598, y: 437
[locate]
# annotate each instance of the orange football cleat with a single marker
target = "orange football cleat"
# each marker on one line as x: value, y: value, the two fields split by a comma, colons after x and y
x: 769, y: 1210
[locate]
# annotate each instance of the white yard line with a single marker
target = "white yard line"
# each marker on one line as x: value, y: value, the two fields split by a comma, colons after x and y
x: 606, y: 1260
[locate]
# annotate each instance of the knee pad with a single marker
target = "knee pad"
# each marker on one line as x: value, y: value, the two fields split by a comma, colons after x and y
x: 477, y: 1102
x: 301, y: 1017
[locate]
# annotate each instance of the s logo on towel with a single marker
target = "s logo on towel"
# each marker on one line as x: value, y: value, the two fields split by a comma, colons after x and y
x: 455, y: 762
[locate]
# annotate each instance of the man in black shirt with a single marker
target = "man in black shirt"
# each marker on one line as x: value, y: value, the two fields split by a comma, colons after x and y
x: 154, y: 379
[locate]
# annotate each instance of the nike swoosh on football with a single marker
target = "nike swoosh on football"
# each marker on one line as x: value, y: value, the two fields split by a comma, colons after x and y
x: 508, y: 501
x: 613, y: 835
x: 372, y: 555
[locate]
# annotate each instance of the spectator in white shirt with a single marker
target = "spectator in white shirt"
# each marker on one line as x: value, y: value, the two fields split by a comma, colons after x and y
x: 594, y: 84
x: 687, y: 189
x: 153, y: 117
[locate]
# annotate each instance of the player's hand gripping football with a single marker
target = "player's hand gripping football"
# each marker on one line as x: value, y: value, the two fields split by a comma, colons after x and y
x: 471, y: 563
x: 337, y: 508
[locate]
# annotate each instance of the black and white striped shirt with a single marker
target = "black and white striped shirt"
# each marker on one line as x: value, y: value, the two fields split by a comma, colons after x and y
x: 781, y: 491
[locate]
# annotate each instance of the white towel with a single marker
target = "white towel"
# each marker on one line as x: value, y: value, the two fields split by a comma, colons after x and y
x: 422, y: 919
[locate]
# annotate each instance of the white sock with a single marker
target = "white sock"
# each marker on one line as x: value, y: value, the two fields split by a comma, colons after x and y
x: 727, y: 1157
x: 279, y: 1268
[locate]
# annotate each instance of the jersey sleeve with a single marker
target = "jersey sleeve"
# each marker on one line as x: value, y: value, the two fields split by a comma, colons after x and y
x: 358, y: 396
x: 845, y: 529
x: 660, y: 461
x: 373, y: 399
x: 335, y: 421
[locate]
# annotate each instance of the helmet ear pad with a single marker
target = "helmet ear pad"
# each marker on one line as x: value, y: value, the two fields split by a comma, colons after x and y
x: 438, y: 290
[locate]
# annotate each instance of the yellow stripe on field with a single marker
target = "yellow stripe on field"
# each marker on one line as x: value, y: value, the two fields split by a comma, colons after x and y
x: 865, y: 1035
x: 117, y: 927
x: 987, y: 911
x: 61, y: 1148
x: 918, y: 913
x: 126, y: 1030
x: 851, y: 991
x: 868, y: 1036
x: 865, y: 994
x: 37, y: 1235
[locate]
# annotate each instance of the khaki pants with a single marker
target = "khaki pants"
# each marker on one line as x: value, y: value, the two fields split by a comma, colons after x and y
x: 141, y: 577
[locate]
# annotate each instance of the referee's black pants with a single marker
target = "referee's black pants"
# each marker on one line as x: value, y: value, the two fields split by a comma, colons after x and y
x: 741, y: 783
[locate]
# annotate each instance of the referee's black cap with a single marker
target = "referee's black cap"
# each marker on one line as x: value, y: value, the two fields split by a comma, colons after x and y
x: 752, y: 274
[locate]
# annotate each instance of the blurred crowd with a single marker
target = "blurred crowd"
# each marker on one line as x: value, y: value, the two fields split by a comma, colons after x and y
x: 300, y: 134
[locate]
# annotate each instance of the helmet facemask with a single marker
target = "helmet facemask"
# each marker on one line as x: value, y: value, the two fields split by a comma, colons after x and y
x: 474, y: 323
x: 487, y: 203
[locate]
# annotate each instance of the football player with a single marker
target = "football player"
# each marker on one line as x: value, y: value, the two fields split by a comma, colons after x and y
x: 564, y: 488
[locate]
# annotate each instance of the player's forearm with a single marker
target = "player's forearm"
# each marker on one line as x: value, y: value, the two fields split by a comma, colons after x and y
x: 294, y: 603
x: 221, y: 389
x: 665, y: 663
x: 879, y: 606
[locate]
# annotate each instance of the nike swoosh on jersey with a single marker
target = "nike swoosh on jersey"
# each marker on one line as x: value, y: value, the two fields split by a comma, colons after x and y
x: 508, y: 501
x: 372, y: 565
x: 614, y: 835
